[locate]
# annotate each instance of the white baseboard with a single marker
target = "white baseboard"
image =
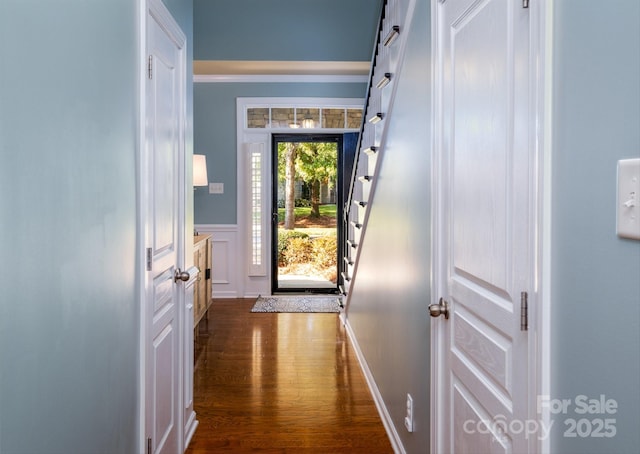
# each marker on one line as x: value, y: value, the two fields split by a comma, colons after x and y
x: 394, y: 438
x: 225, y: 295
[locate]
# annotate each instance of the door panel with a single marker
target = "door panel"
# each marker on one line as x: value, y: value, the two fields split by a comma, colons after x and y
x: 165, y: 236
x: 486, y: 223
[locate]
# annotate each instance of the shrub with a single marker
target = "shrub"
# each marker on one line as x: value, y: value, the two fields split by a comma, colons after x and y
x: 284, y: 237
x: 298, y: 250
x: 325, y: 250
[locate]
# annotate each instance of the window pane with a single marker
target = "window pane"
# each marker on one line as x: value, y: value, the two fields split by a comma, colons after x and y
x: 354, y: 118
x: 333, y: 118
x: 257, y: 117
x: 256, y: 208
x: 282, y: 117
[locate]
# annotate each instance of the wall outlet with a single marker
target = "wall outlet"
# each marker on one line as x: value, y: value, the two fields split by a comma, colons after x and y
x: 408, y: 420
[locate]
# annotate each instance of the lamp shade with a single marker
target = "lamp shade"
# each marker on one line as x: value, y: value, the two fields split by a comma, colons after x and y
x: 200, y: 170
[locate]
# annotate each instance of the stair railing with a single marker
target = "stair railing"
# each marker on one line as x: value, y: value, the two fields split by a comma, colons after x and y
x: 354, y: 173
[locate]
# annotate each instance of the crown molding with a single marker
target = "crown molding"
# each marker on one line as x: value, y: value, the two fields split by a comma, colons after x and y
x: 280, y: 71
x: 270, y: 78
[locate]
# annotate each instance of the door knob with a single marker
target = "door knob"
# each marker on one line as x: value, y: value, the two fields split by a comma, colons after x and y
x: 181, y: 276
x: 442, y: 308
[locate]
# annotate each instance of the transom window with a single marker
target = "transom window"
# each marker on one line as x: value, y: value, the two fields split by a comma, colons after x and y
x: 308, y: 117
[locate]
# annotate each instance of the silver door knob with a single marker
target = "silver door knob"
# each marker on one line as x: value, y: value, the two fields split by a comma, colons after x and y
x: 442, y: 308
x: 181, y: 276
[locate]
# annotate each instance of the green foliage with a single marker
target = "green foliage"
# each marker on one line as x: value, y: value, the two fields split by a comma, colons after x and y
x: 317, y: 161
x: 314, y: 163
x: 304, y: 210
x: 313, y: 160
x: 299, y: 203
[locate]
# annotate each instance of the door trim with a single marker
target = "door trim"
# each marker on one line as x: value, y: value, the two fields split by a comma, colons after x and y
x: 158, y: 10
x: 251, y: 286
x: 541, y: 39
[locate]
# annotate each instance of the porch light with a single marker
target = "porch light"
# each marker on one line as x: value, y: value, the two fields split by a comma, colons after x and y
x: 308, y: 122
x: 200, y: 170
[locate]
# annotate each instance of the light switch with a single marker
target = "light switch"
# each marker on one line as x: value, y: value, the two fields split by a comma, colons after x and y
x: 216, y: 188
x: 628, y: 200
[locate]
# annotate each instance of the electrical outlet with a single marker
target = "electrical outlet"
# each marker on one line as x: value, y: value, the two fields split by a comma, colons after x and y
x: 408, y: 420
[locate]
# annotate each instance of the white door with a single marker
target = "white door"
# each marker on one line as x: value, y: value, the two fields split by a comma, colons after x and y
x: 165, y: 236
x: 485, y: 229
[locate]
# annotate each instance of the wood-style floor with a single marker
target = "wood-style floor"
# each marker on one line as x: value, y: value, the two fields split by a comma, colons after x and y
x: 280, y: 383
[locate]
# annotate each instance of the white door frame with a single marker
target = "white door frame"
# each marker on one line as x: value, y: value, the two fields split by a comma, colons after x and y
x: 159, y: 10
x: 541, y: 21
x: 256, y: 280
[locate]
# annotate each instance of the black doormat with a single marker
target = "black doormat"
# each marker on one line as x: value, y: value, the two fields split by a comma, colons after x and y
x: 297, y: 303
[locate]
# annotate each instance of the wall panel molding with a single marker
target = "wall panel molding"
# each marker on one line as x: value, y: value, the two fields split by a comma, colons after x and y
x: 224, y: 245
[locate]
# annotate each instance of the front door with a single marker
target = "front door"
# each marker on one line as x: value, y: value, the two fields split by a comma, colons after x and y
x: 306, y: 206
x: 164, y: 173
x: 486, y: 232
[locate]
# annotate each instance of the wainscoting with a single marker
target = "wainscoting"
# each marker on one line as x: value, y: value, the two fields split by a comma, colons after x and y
x: 225, y: 277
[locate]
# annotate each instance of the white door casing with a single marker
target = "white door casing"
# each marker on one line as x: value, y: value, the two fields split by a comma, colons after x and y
x: 254, y: 278
x: 485, y: 227
x: 163, y: 199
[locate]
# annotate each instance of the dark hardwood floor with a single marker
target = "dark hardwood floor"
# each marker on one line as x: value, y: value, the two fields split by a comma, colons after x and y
x: 280, y: 383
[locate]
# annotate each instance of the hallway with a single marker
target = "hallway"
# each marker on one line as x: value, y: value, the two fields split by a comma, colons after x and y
x: 286, y: 383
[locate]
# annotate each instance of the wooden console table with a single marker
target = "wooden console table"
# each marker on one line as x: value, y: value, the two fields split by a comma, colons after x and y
x: 202, y: 259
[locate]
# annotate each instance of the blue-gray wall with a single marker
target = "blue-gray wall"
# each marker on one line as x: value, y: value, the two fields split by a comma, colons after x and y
x: 258, y: 30
x: 285, y: 29
x: 595, y: 315
x: 69, y: 313
x: 390, y: 295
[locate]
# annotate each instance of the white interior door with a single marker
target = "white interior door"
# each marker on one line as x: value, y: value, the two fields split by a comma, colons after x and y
x: 485, y: 229
x: 165, y: 237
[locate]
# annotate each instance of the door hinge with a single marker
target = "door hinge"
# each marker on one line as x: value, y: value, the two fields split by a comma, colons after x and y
x: 149, y: 258
x: 525, y: 3
x: 524, y: 311
x: 150, y: 67
x: 148, y: 445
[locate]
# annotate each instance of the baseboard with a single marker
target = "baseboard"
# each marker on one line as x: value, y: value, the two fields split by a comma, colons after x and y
x: 230, y: 294
x: 394, y: 438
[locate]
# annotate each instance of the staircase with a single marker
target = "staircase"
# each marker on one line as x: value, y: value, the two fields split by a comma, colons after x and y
x: 370, y: 147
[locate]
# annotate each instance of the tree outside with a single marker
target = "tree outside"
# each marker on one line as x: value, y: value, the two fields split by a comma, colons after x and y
x: 314, y: 163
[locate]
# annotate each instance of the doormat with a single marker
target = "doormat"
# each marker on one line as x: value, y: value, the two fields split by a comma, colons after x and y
x: 297, y: 303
